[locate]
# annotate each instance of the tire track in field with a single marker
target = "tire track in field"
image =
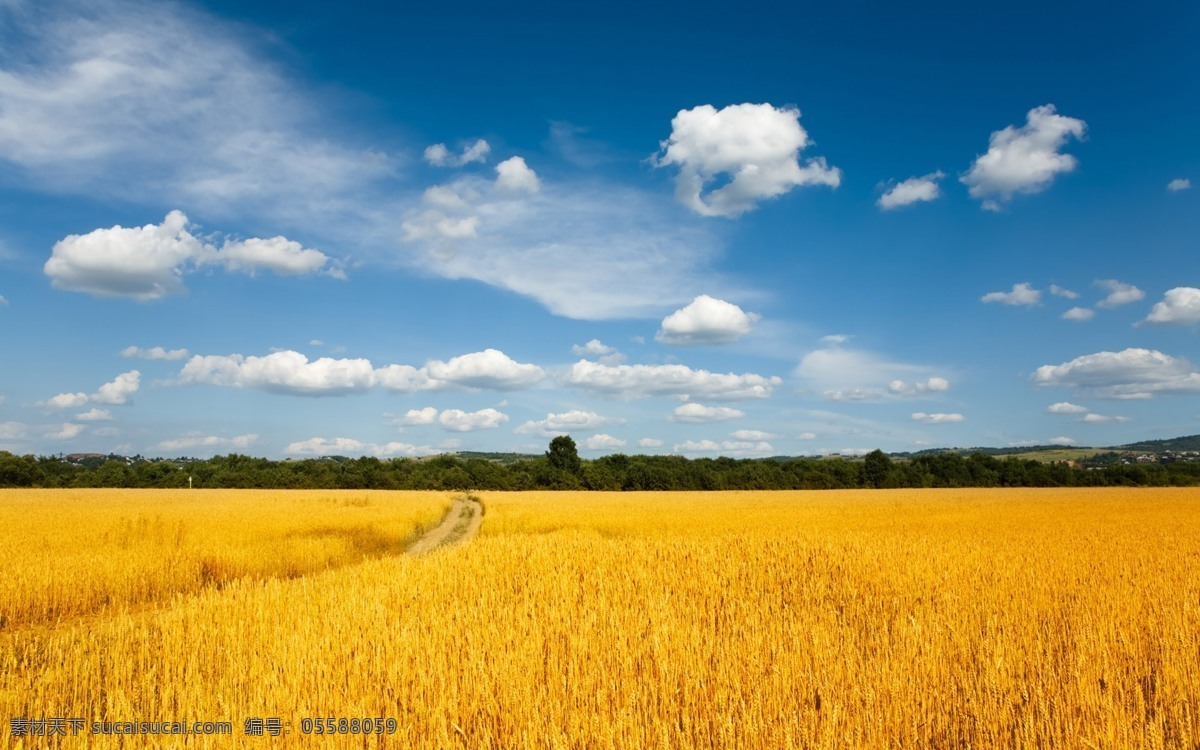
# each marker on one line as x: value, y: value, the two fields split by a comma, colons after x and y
x: 460, y: 525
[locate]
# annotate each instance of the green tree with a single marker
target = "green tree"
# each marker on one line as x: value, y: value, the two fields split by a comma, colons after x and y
x: 563, y: 454
x: 876, y: 466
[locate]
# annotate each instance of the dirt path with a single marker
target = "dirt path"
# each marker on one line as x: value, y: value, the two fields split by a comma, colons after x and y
x: 460, y: 525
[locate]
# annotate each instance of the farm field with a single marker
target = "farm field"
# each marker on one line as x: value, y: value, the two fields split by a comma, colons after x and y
x: 865, y: 619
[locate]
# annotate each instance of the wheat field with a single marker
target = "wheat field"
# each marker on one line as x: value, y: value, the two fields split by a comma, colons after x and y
x: 857, y: 619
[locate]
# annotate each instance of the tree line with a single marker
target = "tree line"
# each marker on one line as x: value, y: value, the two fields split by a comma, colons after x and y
x: 562, y: 469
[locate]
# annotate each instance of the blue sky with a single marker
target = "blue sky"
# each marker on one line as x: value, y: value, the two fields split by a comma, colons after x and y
x: 370, y: 229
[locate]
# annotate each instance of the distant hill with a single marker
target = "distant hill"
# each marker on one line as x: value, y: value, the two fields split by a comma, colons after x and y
x: 1189, y: 443
x: 500, y: 458
x: 1011, y: 451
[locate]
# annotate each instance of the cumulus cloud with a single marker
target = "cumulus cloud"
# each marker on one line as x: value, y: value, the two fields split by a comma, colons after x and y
x: 603, y: 442
x: 1079, y: 314
x: 752, y: 435
x: 490, y: 369
x: 94, y: 415
x: 291, y: 372
x: 756, y: 146
x: 923, y: 418
x: 514, y: 176
x: 149, y: 262
x: 706, y: 320
x: 439, y: 156
x: 287, y: 372
x: 66, y: 401
x: 575, y: 420
x: 1062, y: 441
x: 428, y: 415
x: 157, y: 352
x: 462, y: 421
x: 650, y: 443
x: 341, y: 446
x: 599, y: 351
x: 694, y: 413
x: 116, y: 392
x: 910, y: 191
x: 912, y: 390
x: 1066, y: 407
x: 119, y: 390
x: 1131, y: 373
x: 278, y: 255
x: 1059, y: 291
x: 1102, y: 419
x: 1024, y: 160
x: 725, y: 447
x: 1180, y: 305
x: 636, y: 381
x: 1119, y: 293
x: 1179, y: 183
x: 1021, y: 294
x: 194, y: 440
x: 67, y: 431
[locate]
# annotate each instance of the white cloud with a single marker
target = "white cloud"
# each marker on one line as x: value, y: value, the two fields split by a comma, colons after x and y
x: 67, y: 431
x: 752, y: 435
x: 694, y: 413
x: 1179, y: 183
x: 66, y: 401
x: 287, y: 372
x: 154, y: 353
x: 350, y: 447
x: 1066, y: 407
x: 912, y: 390
x: 706, y: 320
x: 603, y: 442
x: 277, y: 254
x: 575, y: 420
x: 491, y: 369
x: 119, y: 390
x: 1131, y: 373
x: 1059, y: 291
x: 195, y: 440
x: 1079, y: 314
x: 842, y: 374
x: 1102, y: 419
x: 149, y: 262
x: 650, y: 443
x: 1062, y: 441
x: 913, y: 190
x: 1180, y: 305
x: 1119, y: 293
x: 514, y: 176
x: 635, y: 381
x: 428, y: 415
x: 3, y: 301
x: 164, y: 102
x: 323, y: 447
x: 461, y: 421
x: 599, y: 351
x: 1021, y: 294
x: 756, y: 145
x: 1025, y: 159
x: 94, y: 415
x: 440, y: 156
x: 725, y: 447
x: 922, y: 417
x: 584, y: 250
x: 836, y: 339
x: 807, y: 436
x: 13, y: 431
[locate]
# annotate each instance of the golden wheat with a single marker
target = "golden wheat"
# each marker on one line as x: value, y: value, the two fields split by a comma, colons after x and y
x: 971, y: 618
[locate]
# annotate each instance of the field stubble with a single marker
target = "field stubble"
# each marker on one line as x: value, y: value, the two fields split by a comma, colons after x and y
x: 973, y: 618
